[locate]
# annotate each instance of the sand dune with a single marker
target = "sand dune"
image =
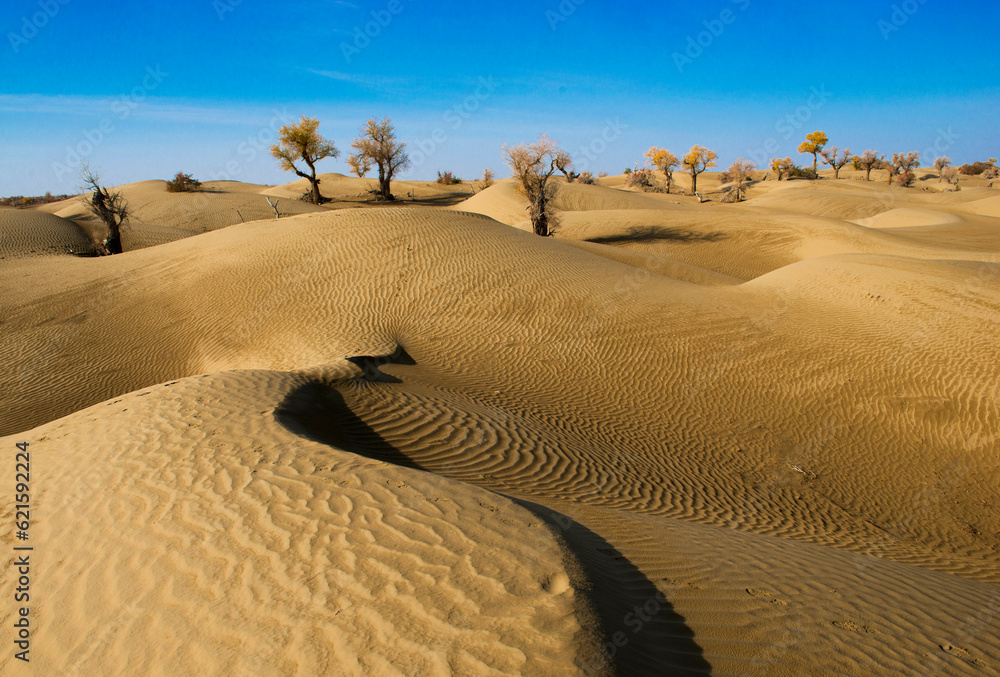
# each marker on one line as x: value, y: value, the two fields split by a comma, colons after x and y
x: 29, y: 233
x: 420, y: 440
x: 159, y: 217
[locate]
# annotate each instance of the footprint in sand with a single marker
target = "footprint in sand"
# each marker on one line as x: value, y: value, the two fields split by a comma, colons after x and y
x: 853, y: 627
x: 761, y: 594
x: 959, y: 652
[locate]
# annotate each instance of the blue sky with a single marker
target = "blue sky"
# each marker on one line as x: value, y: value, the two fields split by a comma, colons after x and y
x: 201, y: 86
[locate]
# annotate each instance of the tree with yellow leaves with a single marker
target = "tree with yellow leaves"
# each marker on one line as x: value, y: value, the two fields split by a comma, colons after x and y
x: 697, y: 161
x: 782, y: 166
x: 303, y: 141
x: 378, y: 145
x: 665, y: 161
x: 814, y: 144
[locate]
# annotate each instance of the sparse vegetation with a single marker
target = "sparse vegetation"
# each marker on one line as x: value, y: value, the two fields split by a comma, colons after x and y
x: 303, y: 141
x: 488, y: 177
x: 950, y: 174
x: 814, y: 145
x: 941, y: 164
x: 565, y: 165
x: 836, y: 162
x: 739, y: 176
x: 905, y: 178
x: 23, y: 201
x: 807, y: 173
x: 906, y: 162
x: 697, y: 161
x: 378, y: 146
x: 782, y: 167
x: 640, y: 179
x: 533, y: 165
x: 665, y: 161
x: 107, y: 205
x: 602, y: 175
x: 586, y: 178
x: 448, y: 179
x: 183, y: 183
x: 870, y: 160
x: 976, y: 168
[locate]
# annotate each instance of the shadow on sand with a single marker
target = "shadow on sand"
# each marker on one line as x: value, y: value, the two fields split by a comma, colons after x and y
x: 635, y: 631
x: 657, y: 233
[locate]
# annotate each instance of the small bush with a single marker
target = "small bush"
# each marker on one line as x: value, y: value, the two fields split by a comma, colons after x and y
x: 640, y: 178
x: 905, y: 179
x: 975, y: 169
x: 602, y: 175
x: 628, y: 170
x: 448, y: 179
x: 183, y: 183
x: 488, y: 177
x: 586, y: 178
x: 796, y: 172
x: 990, y: 173
x: 950, y: 174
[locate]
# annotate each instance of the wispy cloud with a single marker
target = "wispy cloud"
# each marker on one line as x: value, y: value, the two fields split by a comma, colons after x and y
x: 161, y: 110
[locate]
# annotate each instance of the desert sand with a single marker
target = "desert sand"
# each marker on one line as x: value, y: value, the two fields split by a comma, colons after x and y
x: 676, y: 438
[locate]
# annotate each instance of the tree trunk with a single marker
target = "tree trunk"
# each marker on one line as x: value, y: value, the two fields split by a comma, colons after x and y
x: 694, y: 183
x: 816, y: 164
x: 868, y: 176
x: 313, y: 180
x: 113, y: 245
x: 383, y: 183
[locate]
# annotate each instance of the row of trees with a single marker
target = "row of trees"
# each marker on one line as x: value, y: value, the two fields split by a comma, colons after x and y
x: 376, y: 146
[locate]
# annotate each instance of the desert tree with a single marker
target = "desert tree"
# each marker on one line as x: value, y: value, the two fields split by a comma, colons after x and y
x: 782, y: 166
x: 739, y: 175
x: 378, y: 146
x: 488, y: 177
x: 837, y: 162
x: 533, y: 165
x: 902, y: 166
x: 107, y: 205
x: 941, y: 164
x: 640, y: 179
x: 665, y: 161
x: 359, y: 166
x: 183, y: 183
x: 564, y: 163
x: 906, y: 162
x: 697, y: 161
x: 303, y: 141
x: 870, y: 160
x: 814, y: 145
